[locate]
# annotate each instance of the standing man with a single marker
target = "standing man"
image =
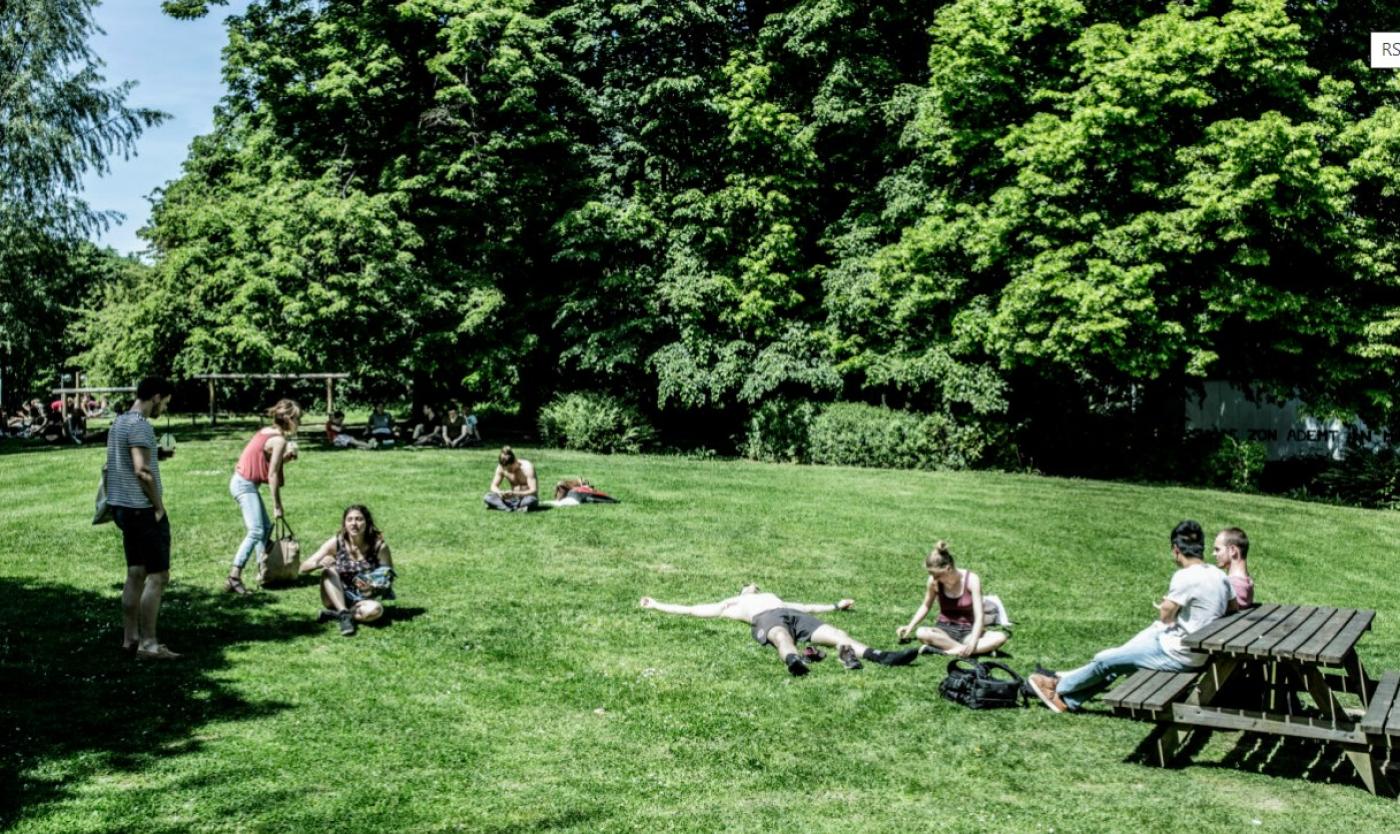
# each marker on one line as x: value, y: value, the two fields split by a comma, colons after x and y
x: 1198, y: 596
x: 134, y: 492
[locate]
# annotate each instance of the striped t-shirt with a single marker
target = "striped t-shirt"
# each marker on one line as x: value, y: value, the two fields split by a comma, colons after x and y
x: 123, y: 487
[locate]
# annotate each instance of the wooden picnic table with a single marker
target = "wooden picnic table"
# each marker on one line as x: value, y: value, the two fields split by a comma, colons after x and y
x: 1260, y: 662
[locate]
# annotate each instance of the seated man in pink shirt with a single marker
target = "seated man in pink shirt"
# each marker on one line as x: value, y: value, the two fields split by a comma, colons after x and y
x: 1231, y: 548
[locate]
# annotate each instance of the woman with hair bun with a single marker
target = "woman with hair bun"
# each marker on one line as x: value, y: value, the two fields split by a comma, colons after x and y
x: 261, y: 462
x: 960, y: 630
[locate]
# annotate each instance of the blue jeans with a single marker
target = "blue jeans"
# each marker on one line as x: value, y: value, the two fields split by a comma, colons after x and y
x: 255, y: 519
x: 1144, y: 651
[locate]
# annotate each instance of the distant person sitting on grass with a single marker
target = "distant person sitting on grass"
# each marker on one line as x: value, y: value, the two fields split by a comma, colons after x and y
x: 381, y: 426
x: 783, y: 625
x: 339, y: 437
x: 356, y: 571
x: 524, y: 492
x: 1199, y: 595
x: 459, y: 431
x: 425, y: 431
x: 1231, y: 548
x: 961, y: 628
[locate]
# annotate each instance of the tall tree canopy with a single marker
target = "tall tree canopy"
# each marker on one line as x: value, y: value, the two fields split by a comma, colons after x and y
x: 58, y: 121
x: 955, y: 207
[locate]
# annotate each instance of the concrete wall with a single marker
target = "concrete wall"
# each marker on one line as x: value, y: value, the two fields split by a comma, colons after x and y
x: 1285, y: 429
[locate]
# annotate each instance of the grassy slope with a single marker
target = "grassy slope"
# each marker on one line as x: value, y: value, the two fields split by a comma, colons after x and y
x: 477, y: 709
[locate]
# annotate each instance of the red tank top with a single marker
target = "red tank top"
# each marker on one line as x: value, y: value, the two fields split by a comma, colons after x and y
x: 957, y: 611
x: 252, y: 464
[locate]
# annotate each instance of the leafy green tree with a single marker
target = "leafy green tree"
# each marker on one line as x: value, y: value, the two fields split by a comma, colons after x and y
x: 58, y: 121
x: 1117, y: 197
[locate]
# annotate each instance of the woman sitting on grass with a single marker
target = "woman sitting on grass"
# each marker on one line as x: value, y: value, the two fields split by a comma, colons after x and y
x: 960, y: 630
x: 355, y: 567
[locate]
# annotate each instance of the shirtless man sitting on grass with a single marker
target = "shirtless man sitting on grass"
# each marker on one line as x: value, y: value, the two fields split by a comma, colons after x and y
x: 782, y: 624
x: 524, y: 493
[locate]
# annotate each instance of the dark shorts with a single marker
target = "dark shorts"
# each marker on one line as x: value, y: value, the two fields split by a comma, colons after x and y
x: 145, y: 540
x: 799, y: 625
x: 957, y: 631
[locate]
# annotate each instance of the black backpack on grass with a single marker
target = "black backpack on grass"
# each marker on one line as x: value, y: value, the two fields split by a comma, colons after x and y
x: 978, y: 685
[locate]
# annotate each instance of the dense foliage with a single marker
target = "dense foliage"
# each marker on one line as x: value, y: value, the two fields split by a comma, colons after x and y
x: 58, y: 120
x: 1025, y: 215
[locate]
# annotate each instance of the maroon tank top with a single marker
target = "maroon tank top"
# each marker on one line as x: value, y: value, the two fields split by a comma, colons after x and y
x: 957, y: 611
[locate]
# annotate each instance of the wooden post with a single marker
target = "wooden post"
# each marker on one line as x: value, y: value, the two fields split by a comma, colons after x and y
x: 212, y: 416
x: 330, y: 396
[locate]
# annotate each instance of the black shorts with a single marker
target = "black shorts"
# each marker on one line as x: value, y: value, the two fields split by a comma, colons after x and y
x: 957, y: 631
x: 145, y: 540
x: 801, y: 626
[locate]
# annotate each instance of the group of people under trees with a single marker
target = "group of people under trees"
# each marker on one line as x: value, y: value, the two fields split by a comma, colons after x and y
x: 357, y: 571
x: 356, y: 565
x: 60, y: 422
x: 456, y: 431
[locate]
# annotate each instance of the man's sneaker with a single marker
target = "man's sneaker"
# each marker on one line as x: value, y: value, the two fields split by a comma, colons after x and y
x: 795, y: 666
x: 812, y: 654
x: 347, y: 624
x: 848, y: 657
x: 1044, y: 689
x: 327, y: 614
x: 373, y: 443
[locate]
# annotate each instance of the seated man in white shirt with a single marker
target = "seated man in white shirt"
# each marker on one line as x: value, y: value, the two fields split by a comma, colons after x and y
x: 1199, y: 595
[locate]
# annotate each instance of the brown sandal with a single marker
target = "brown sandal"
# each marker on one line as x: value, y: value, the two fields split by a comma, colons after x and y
x: 234, y: 585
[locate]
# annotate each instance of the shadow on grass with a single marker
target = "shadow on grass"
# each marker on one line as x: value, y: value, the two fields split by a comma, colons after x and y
x: 1267, y: 755
x: 73, y: 705
x: 15, y: 446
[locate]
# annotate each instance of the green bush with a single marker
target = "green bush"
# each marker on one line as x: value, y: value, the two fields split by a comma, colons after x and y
x: 594, y: 423
x: 1237, y: 464
x: 856, y: 434
x: 1365, y: 478
x: 779, y: 431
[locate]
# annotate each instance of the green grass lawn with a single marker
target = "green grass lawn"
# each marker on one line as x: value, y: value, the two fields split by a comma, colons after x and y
x: 518, y: 687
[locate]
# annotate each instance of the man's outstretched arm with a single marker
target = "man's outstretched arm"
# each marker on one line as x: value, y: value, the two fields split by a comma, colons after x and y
x: 821, y: 607
x: 709, y: 609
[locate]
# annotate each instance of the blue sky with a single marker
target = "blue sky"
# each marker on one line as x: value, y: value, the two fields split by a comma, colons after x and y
x: 176, y: 66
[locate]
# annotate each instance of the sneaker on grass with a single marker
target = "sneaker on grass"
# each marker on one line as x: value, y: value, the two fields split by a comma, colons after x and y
x: 1044, y: 689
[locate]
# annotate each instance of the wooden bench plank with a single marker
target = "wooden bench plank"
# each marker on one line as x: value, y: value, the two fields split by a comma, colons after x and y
x: 1237, y: 642
x: 1131, y: 691
x: 1210, y: 630
x: 1265, y: 643
x: 1172, y: 688
x: 1290, y: 644
x: 1216, y: 642
x: 1382, y: 704
x: 1344, y: 642
x: 1319, y: 641
x: 1221, y: 718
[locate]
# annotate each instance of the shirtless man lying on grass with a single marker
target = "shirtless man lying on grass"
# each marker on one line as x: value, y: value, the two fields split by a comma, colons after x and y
x: 783, y: 624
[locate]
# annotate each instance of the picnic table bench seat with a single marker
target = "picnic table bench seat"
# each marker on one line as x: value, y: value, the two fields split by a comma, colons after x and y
x: 1382, y: 718
x: 1149, y: 694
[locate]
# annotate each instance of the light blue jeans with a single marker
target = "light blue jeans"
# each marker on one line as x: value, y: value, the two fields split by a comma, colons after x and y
x: 1144, y: 651
x: 255, y: 519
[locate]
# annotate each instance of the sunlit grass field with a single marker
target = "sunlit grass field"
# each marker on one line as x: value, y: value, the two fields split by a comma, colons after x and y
x: 517, y: 686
